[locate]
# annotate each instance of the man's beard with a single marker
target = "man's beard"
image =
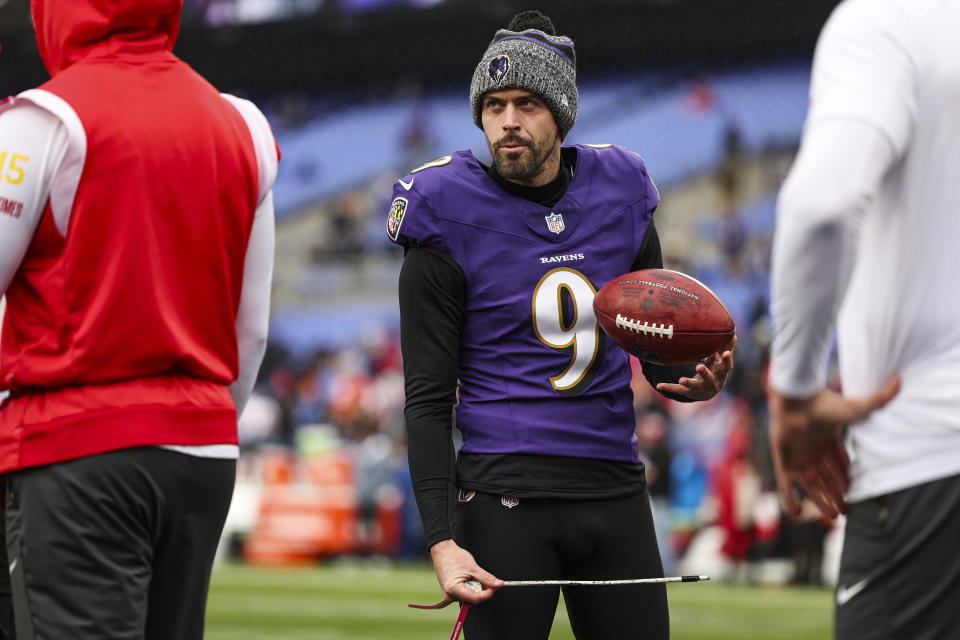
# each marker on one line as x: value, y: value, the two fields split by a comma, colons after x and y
x: 524, y: 165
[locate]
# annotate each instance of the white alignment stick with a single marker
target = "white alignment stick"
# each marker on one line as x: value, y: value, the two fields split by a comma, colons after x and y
x: 476, y: 586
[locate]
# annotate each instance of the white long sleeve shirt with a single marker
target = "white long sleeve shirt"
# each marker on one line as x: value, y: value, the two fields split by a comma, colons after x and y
x: 868, y: 226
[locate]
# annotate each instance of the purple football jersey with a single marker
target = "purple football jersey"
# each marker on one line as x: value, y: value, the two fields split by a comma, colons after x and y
x: 537, y: 374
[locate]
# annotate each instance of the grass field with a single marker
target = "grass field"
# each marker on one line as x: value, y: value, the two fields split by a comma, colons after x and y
x: 343, y: 602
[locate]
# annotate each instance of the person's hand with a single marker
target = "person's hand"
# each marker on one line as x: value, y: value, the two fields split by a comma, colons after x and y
x: 807, y: 444
x: 709, y: 380
x: 454, y: 566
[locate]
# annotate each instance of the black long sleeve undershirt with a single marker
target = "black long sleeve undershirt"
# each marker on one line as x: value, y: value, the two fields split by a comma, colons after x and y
x: 432, y: 311
x: 432, y: 299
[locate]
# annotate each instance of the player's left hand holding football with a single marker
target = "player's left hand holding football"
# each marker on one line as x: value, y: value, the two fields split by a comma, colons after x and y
x: 710, y: 378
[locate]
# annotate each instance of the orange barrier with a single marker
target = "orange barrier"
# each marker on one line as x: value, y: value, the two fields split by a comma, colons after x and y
x: 299, y: 524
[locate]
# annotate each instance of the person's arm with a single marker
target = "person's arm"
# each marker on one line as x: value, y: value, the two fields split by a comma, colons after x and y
x: 862, y: 107
x: 432, y: 313
x: 432, y: 290
x: 684, y: 382
x: 814, y: 252
x: 32, y: 144
x: 815, y: 245
x: 253, y: 314
x: 860, y: 121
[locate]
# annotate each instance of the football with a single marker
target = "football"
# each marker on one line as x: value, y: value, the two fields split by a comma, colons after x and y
x: 663, y: 316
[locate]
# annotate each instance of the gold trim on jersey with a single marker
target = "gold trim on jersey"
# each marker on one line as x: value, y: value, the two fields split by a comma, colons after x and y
x: 439, y: 162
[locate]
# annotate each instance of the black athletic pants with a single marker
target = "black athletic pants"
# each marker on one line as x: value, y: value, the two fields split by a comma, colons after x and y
x: 6, y: 604
x: 118, y: 545
x: 565, y: 539
x: 900, y: 566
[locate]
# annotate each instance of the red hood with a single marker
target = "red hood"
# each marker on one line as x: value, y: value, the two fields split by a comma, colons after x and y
x: 68, y: 30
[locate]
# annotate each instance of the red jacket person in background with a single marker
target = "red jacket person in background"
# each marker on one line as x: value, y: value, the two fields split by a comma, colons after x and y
x: 136, y: 250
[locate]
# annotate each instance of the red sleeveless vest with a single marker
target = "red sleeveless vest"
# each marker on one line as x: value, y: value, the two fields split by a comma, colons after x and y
x: 122, y: 334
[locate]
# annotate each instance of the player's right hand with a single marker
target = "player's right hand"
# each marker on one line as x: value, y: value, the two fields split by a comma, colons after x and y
x: 454, y: 566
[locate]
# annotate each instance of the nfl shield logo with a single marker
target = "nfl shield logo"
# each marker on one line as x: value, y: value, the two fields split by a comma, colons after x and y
x: 509, y: 503
x: 554, y: 222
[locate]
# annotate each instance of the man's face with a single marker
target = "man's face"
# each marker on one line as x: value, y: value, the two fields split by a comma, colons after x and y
x: 522, y: 135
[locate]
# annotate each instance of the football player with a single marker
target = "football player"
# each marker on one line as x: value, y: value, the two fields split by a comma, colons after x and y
x: 496, y: 289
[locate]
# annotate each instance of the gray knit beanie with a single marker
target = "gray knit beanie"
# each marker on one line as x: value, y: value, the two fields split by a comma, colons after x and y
x: 529, y: 55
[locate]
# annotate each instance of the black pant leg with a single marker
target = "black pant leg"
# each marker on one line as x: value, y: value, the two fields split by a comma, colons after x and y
x: 899, y: 569
x: 197, y: 493
x: 6, y: 598
x: 622, y: 544
x: 512, y: 544
x: 117, y: 545
x: 80, y: 548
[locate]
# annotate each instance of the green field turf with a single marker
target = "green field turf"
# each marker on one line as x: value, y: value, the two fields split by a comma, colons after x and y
x: 366, y: 603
